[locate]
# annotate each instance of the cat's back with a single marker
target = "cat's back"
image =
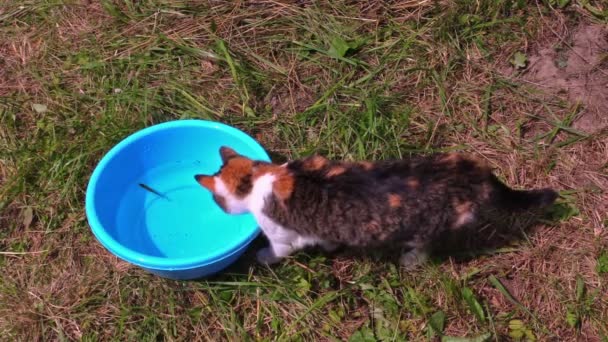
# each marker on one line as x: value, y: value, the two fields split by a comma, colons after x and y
x: 348, y: 181
x: 437, y: 171
x: 374, y: 201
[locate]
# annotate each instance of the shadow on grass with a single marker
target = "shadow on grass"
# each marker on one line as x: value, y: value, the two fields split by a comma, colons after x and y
x: 242, y: 266
x: 498, y: 236
x: 277, y: 158
x: 462, y: 246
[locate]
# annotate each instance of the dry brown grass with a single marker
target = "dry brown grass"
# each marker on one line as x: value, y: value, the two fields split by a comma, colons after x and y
x: 436, y: 81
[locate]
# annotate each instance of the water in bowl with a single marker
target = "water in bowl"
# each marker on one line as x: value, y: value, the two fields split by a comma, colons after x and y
x: 185, y: 223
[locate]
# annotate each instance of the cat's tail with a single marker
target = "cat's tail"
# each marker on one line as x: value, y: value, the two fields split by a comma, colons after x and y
x: 516, y: 200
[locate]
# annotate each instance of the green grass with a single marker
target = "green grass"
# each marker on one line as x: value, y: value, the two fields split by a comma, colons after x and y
x: 367, y: 81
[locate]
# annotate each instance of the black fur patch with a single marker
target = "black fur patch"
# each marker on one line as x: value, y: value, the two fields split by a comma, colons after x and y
x: 244, y: 186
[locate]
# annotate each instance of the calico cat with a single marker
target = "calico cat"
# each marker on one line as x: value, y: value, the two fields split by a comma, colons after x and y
x: 406, y: 204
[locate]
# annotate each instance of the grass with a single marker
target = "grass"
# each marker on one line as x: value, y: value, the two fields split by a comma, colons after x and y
x: 356, y: 81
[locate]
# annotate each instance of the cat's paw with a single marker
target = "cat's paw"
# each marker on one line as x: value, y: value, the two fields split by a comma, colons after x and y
x: 413, y: 259
x: 266, y: 256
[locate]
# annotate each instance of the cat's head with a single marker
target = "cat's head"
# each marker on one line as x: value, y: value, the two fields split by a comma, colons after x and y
x: 232, y: 184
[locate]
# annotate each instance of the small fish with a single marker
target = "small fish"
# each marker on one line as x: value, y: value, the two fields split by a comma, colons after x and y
x: 153, y: 191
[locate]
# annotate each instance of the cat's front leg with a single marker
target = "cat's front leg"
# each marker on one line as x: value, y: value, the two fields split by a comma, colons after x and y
x: 274, y: 253
x: 283, y: 243
x: 414, y: 258
x: 415, y: 254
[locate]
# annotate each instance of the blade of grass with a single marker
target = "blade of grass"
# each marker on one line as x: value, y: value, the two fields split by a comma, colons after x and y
x: 559, y: 125
x: 437, y: 324
x: 503, y: 290
x: 474, y: 305
x: 192, y: 51
x: 321, y: 301
x: 487, y: 107
x: 194, y: 102
x: 270, y: 64
x: 327, y: 94
x: 324, y: 52
x: 481, y: 338
x: 439, y: 83
x: 235, y: 76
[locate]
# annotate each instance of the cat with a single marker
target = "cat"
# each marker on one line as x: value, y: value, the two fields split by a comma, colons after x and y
x: 406, y: 204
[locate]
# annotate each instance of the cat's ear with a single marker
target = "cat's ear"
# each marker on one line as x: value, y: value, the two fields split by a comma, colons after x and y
x: 227, y: 153
x: 206, y: 181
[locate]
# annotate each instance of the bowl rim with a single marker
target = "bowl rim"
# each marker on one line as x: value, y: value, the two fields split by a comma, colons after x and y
x: 149, y: 261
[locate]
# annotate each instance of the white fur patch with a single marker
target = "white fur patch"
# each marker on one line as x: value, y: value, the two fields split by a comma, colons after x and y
x: 220, y: 187
x: 262, y: 188
x: 234, y: 205
x: 283, y: 241
x: 464, y: 218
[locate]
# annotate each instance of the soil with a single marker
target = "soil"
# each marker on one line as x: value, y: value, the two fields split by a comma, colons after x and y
x: 576, y: 67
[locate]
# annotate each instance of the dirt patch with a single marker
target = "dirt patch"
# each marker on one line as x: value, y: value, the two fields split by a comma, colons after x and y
x: 79, y: 22
x: 287, y: 100
x: 576, y: 66
x: 15, y: 56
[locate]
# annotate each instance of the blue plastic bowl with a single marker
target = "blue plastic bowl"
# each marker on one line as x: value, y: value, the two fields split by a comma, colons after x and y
x: 185, y: 235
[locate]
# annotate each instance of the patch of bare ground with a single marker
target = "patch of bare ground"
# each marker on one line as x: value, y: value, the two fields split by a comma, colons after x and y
x: 521, y: 124
x: 14, y: 58
x: 28, y: 44
x: 573, y: 64
x: 542, y: 274
x: 81, y: 22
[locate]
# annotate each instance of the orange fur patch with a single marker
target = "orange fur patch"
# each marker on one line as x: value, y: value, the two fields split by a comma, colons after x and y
x: 336, y: 171
x: 208, y: 182
x: 454, y: 158
x: 234, y: 171
x: 239, y: 167
x: 451, y: 158
x: 394, y: 200
x: 315, y: 163
x: 376, y: 229
x: 366, y: 165
x: 412, y: 183
x: 283, y: 187
x: 373, y: 226
x: 284, y: 183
